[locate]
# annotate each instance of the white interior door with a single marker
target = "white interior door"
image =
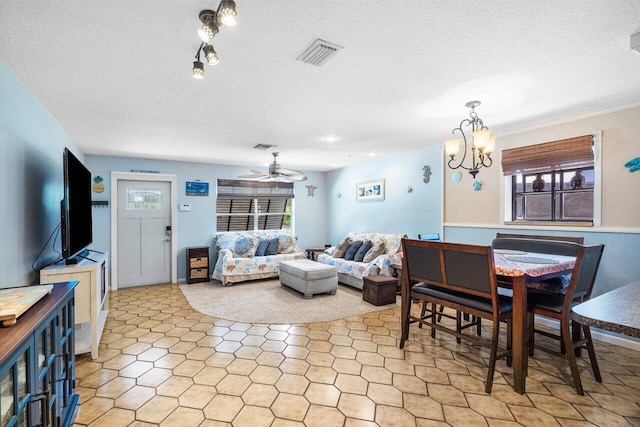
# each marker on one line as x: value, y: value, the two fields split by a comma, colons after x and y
x: 144, y: 233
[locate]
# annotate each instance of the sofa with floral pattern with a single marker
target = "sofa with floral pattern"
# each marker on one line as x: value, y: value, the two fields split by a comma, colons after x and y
x: 250, y: 255
x: 351, y: 272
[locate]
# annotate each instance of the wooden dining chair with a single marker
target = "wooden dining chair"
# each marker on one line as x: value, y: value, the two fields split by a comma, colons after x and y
x: 559, y: 306
x: 554, y: 286
x: 461, y: 277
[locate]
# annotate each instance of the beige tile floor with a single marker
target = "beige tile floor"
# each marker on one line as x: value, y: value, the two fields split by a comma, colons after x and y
x: 163, y: 363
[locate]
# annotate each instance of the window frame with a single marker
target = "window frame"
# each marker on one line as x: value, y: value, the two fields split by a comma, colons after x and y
x: 507, y: 197
x: 556, y: 184
x: 256, y: 197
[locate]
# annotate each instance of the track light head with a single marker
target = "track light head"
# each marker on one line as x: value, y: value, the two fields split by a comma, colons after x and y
x: 209, y: 26
x: 198, y: 70
x: 210, y: 54
x: 227, y: 13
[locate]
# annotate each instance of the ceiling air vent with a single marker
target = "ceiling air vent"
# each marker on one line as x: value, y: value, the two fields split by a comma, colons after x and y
x: 319, y: 52
x: 264, y: 147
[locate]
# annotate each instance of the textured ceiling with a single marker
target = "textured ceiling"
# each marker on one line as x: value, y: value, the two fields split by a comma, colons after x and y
x: 117, y: 74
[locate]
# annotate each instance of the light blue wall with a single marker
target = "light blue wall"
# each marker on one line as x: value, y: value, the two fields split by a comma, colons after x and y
x: 619, y: 264
x: 31, y: 147
x: 401, y: 212
x: 198, y: 226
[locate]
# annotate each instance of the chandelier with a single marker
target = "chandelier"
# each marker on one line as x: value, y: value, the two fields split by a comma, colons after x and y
x: 211, y: 23
x: 482, y: 144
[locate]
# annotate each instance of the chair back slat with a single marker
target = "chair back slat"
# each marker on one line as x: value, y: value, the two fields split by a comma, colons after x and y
x: 588, y: 270
x: 579, y: 240
x: 536, y: 245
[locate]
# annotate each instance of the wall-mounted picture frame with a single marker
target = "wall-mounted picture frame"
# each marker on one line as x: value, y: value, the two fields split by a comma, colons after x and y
x: 197, y: 188
x: 370, y: 191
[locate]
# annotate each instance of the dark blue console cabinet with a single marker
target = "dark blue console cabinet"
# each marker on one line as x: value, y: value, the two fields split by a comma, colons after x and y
x: 37, y: 363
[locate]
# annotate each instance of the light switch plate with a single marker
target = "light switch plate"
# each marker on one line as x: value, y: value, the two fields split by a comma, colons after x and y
x: 185, y: 207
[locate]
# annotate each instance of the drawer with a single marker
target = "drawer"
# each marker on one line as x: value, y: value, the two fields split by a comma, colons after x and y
x: 199, y: 262
x: 197, y: 252
x: 199, y: 273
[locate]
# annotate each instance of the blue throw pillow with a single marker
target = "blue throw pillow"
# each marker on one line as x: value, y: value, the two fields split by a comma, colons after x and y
x: 366, y: 245
x: 245, y: 247
x: 352, y: 249
x: 262, y: 247
x: 272, y: 247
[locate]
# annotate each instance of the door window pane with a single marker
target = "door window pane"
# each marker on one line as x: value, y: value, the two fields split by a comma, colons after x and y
x: 144, y: 198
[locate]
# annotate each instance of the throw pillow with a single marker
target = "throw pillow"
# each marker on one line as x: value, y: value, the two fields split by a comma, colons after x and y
x: 245, y: 247
x: 272, y: 247
x: 376, y: 250
x: 342, y: 247
x: 286, y: 244
x: 262, y: 247
x: 352, y: 249
x: 366, y: 245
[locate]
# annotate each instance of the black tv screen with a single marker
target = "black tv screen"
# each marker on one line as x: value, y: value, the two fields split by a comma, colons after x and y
x: 75, y: 207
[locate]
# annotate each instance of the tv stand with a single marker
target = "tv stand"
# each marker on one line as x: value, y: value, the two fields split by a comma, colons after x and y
x: 79, y: 256
x: 91, y: 298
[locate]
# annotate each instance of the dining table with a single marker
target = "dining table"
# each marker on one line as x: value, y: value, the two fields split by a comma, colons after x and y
x: 515, y: 270
x: 615, y: 311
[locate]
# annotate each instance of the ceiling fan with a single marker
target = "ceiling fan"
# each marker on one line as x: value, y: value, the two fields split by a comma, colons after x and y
x: 275, y: 173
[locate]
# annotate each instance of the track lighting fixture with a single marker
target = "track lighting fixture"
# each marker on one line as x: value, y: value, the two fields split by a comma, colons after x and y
x: 211, y: 23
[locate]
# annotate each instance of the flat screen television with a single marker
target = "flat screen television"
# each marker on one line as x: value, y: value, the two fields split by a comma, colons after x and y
x: 75, y: 208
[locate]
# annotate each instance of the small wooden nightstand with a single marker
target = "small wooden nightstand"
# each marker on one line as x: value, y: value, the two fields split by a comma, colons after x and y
x: 311, y: 253
x: 197, y: 264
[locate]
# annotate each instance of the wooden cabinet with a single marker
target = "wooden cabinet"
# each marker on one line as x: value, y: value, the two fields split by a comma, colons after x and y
x: 92, y: 298
x: 37, y: 366
x: 197, y: 264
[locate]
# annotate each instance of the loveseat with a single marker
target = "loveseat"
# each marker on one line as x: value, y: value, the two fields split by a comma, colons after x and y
x: 351, y: 272
x: 250, y: 255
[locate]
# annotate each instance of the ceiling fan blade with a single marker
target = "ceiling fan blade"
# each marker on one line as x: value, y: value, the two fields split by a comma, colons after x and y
x: 251, y: 176
x: 286, y: 171
x: 259, y: 172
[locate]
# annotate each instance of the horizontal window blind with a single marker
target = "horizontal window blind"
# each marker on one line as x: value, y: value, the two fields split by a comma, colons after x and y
x: 549, y: 156
x: 237, y: 189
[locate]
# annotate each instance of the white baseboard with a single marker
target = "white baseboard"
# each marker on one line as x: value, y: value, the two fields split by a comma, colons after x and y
x: 596, y: 334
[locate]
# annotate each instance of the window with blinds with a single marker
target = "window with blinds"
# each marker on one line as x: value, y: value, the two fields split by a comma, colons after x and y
x: 553, y: 181
x: 251, y: 205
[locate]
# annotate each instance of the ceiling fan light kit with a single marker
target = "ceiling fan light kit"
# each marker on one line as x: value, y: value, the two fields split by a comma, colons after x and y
x: 276, y: 173
x: 211, y: 23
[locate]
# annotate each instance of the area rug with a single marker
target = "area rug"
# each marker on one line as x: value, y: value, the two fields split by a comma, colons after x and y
x: 266, y: 301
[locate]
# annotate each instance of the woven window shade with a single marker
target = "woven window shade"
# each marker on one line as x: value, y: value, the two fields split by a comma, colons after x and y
x: 555, y: 155
x: 237, y: 189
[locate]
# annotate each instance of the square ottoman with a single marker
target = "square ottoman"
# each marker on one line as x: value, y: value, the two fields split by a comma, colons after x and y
x: 379, y: 289
x: 309, y: 277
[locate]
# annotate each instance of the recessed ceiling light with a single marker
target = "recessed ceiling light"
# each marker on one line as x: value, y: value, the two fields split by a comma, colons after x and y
x: 330, y: 138
x: 373, y: 154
